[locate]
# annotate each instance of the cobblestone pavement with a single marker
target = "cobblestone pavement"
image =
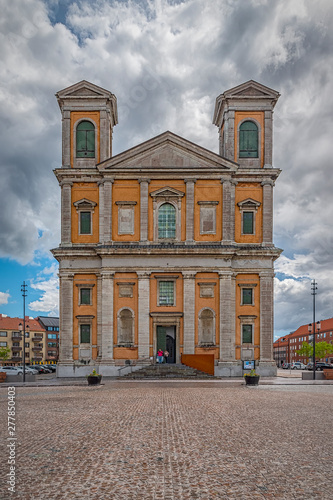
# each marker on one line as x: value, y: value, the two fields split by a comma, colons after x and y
x: 152, y: 440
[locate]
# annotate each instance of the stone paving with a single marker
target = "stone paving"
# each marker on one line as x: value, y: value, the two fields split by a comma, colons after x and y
x: 171, y: 440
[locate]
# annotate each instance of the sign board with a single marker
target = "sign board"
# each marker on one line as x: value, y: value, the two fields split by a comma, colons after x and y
x: 248, y: 365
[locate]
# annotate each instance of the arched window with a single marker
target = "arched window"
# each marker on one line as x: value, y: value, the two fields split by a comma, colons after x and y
x: 248, y: 140
x: 85, y: 140
x: 206, y: 327
x: 125, y: 327
x: 167, y: 221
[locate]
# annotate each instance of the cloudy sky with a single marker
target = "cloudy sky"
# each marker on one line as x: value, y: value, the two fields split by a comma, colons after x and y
x: 166, y: 61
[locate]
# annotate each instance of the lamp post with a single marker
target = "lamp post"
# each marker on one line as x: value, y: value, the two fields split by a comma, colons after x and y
x: 314, y: 293
x: 24, y: 294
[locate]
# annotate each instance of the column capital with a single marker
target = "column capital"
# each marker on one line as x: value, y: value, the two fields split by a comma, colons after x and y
x: 189, y: 274
x: 144, y: 179
x: 225, y: 180
x: 143, y: 274
x: 268, y: 182
x: 66, y: 182
x: 107, y: 274
x: 190, y: 180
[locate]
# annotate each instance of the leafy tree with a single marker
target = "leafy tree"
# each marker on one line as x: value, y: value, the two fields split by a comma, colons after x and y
x: 4, y: 353
x: 322, y: 350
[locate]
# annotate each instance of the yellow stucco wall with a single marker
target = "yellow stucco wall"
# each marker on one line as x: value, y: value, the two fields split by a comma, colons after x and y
x: 120, y: 303
x: 125, y: 190
x: 78, y: 116
x: 207, y: 302
x: 90, y: 192
x: 259, y: 116
x: 245, y: 190
x: 208, y: 190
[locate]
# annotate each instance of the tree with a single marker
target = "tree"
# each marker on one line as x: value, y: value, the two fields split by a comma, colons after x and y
x: 4, y: 353
x: 322, y: 350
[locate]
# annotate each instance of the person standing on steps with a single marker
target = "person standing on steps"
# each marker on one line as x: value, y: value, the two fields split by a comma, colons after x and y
x: 159, y: 357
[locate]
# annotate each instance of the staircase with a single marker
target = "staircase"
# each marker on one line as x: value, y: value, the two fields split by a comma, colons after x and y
x: 170, y: 371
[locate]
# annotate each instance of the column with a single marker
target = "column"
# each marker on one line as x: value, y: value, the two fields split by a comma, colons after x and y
x: 66, y: 213
x: 266, y: 315
x: 228, y: 208
x: 267, y: 211
x: 227, y: 316
x: 104, y: 142
x: 268, y: 153
x: 190, y: 209
x: 66, y: 139
x: 107, y: 209
x: 107, y: 317
x: 144, y: 209
x: 99, y: 317
x: 143, y: 316
x: 189, y: 312
x: 66, y: 318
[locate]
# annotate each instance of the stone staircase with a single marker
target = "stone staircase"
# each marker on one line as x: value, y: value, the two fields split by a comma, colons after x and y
x: 170, y: 371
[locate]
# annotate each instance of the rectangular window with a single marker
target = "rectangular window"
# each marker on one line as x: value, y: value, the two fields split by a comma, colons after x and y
x: 3, y: 344
x: 85, y: 222
x: 51, y: 335
x: 85, y: 296
x: 247, y: 296
x: 3, y: 334
x: 52, y: 344
x: 85, y: 334
x: 247, y: 334
x: 248, y: 226
x: 166, y: 293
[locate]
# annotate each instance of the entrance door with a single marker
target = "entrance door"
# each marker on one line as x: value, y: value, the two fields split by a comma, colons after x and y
x: 166, y: 340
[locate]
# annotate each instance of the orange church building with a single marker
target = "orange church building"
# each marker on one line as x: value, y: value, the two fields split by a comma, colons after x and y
x: 166, y: 245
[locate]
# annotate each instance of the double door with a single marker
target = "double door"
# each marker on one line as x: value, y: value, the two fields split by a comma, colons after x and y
x: 166, y: 340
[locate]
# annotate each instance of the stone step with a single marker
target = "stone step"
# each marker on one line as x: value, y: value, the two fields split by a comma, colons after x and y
x: 166, y: 371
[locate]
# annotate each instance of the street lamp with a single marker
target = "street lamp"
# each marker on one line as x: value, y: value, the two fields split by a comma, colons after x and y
x: 24, y: 294
x: 314, y: 293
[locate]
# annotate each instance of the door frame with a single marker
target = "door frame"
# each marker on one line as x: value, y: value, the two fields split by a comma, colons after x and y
x: 165, y: 319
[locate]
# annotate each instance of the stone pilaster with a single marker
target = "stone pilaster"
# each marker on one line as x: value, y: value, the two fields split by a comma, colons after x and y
x: 266, y: 315
x: 66, y: 139
x: 268, y: 154
x: 144, y: 209
x: 228, y: 215
x: 66, y: 318
x: 267, y: 211
x: 227, y: 316
x: 101, y: 211
x: 229, y: 133
x: 107, y: 317
x: 190, y: 209
x: 99, y: 317
x: 104, y: 141
x: 66, y: 213
x: 107, y: 209
x: 143, y: 317
x: 189, y: 312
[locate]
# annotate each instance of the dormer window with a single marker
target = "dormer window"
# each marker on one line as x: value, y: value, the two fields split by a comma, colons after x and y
x: 248, y: 140
x: 85, y: 140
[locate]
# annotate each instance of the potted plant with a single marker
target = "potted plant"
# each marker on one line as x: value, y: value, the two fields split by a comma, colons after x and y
x: 94, y: 378
x: 251, y: 378
x: 4, y: 355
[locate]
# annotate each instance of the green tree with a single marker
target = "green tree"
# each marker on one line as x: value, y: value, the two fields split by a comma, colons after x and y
x: 4, y: 353
x: 322, y: 350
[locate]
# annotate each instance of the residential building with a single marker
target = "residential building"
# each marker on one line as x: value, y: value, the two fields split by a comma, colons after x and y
x: 11, y: 335
x: 285, y: 348
x: 51, y: 326
x: 166, y: 245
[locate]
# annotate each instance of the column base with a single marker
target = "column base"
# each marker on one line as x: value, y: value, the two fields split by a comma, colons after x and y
x: 229, y: 369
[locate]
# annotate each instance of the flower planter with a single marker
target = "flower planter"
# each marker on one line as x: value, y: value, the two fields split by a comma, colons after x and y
x: 94, y: 379
x: 252, y: 380
x: 3, y: 376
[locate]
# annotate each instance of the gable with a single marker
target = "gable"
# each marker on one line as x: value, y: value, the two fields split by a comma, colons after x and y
x: 168, y: 151
x: 83, y: 89
x: 167, y: 192
x: 251, y: 89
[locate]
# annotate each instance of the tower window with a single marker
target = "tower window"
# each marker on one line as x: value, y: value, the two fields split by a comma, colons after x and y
x: 85, y: 140
x: 85, y: 222
x: 248, y: 140
x: 167, y: 221
x: 248, y: 223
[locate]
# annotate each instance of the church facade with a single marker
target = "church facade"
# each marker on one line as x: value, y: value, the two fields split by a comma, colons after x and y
x: 166, y: 245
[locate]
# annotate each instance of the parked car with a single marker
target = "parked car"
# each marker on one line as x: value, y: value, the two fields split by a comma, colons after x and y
x: 320, y: 366
x: 11, y: 370
x: 309, y: 366
x: 42, y: 369
x: 53, y: 368
x: 28, y: 369
x: 297, y: 365
x: 285, y: 366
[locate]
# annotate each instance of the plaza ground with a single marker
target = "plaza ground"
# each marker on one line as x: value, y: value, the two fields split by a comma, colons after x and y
x: 172, y: 440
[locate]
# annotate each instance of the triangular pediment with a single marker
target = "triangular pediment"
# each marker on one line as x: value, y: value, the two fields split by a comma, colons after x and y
x: 168, y: 151
x: 167, y: 192
x: 84, y: 203
x: 249, y: 203
x: 251, y: 89
x: 83, y: 89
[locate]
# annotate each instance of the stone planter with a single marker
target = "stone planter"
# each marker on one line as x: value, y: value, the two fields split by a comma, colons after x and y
x: 3, y: 376
x: 94, y: 379
x: 252, y: 380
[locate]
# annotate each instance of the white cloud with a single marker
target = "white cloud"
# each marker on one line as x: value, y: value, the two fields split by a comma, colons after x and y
x: 4, y: 296
x: 49, y: 289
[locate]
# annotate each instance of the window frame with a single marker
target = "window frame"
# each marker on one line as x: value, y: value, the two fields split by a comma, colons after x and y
x: 248, y: 206
x: 161, y: 228
x: 85, y: 206
x: 77, y: 124
x: 241, y: 138
x: 163, y: 280
x: 174, y: 197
